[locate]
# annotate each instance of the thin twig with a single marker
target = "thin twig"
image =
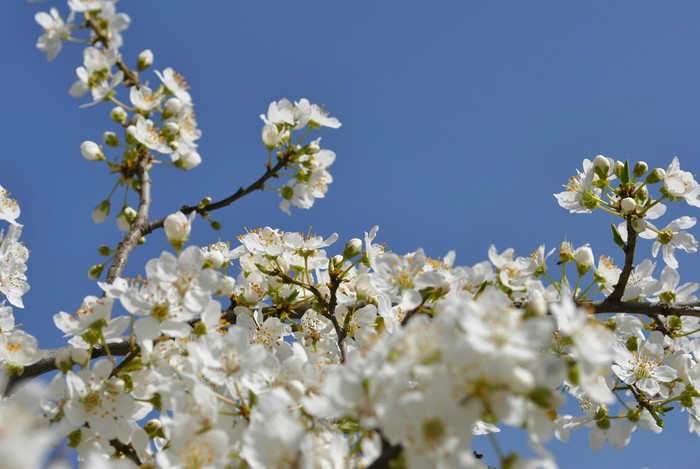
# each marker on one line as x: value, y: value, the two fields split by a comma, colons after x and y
x: 282, y: 162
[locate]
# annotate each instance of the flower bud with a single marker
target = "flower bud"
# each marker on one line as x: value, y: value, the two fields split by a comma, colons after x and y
x: 119, y: 115
x: 214, y: 258
x: 110, y: 139
x: 618, y: 168
x: 125, y: 218
x: 130, y: 132
x: 189, y: 160
x: 313, y: 148
x: 640, y: 169
x: 170, y: 129
x: 601, y: 166
x: 270, y: 136
x: 627, y: 205
x: 656, y: 175
x: 154, y: 429
x: 172, y: 108
x: 101, y: 212
x: 95, y: 271
x: 583, y: 257
x: 104, y: 250
x: 352, y: 248
x: 337, y: 261
x: 63, y: 361
x: 641, y: 194
x: 91, y: 151
x: 145, y: 60
x: 177, y: 229
x: 226, y: 286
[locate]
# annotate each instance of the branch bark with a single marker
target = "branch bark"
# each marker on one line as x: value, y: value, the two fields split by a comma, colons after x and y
x: 271, y: 172
x: 140, y: 222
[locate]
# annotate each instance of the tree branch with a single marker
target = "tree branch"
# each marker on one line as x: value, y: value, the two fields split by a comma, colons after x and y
x: 47, y: 360
x: 647, y: 309
x: 138, y: 226
x: 629, y: 248
x: 271, y: 172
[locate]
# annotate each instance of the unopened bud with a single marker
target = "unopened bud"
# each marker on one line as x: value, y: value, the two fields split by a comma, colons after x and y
x: 640, y: 169
x: 226, y: 286
x: 126, y: 218
x: 172, y: 108
x: 270, y: 136
x: 189, y: 160
x: 601, y: 166
x: 130, y: 131
x: 91, y: 151
x: 63, y: 361
x: 313, y: 148
x: 153, y: 429
x: 145, y: 60
x: 352, y: 248
x: 338, y: 261
x: 95, y: 271
x: 214, y: 258
x: 177, y: 229
x: 110, y: 139
x: 583, y: 257
x: 627, y: 205
x: 101, y: 212
x: 618, y: 169
x: 104, y: 250
x: 119, y: 115
x: 656, y: 175
x: 170, y: 129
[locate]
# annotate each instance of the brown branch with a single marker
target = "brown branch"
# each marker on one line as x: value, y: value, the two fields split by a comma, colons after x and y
x: 629, y: 248
x: 47, y: 361
x: 647, y: 309
x: 271, y: 172
x: 137, y: 228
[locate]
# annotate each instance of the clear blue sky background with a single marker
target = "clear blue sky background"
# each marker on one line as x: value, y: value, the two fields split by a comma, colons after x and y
x: 460, y: 120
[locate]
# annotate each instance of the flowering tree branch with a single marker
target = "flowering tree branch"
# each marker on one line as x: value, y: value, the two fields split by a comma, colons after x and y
x: 259, y: 184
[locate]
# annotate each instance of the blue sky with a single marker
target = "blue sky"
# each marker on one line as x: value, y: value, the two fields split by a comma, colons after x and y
x: 460, y: 120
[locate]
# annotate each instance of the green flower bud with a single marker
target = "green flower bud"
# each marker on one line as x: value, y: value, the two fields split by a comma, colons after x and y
x: 95, y: 271
x: 656, y: 175
x: 352, y: 248
x: 640, y: 169
x: 110, y: 139
x: 119, y: 115
x: 145, y: 60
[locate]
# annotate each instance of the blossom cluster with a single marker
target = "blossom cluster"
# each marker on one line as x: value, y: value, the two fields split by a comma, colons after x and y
x: 282, y: 350
x: 310, y: 162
